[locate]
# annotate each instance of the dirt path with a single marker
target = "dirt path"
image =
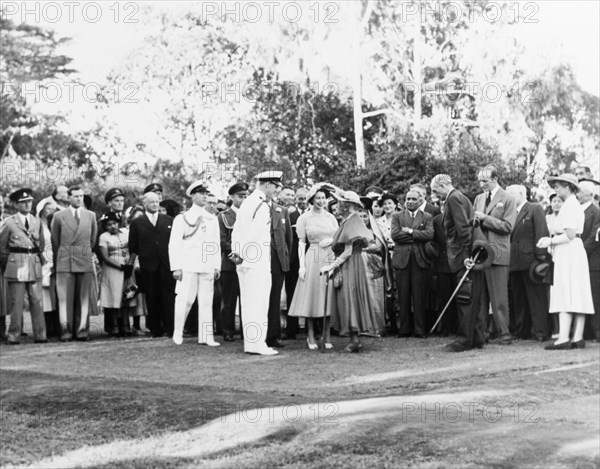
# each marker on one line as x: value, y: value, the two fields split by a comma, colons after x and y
x: 404, y: 403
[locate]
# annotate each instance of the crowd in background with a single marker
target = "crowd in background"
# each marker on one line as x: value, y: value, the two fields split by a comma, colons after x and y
x: 380, y: 264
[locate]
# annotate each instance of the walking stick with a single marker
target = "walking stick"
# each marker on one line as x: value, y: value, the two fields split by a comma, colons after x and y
x: 327, y: 277
x: 455, y: 291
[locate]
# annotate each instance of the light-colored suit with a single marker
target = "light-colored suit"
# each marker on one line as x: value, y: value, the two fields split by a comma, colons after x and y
x: 195, y: 249
x: 251, y: 239
x: 72, y: 245
x: 497, y: 226
x: 23, y: 273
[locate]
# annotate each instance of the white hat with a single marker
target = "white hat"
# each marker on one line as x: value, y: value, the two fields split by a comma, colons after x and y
x: 197, y: 186
x: 42, y: 203
x: 270, y: 176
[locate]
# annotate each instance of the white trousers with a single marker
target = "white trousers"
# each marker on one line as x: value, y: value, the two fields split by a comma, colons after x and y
x: 191, y: 286
x: 255, y: 289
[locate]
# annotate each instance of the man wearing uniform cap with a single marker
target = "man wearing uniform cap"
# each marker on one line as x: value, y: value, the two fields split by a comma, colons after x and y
x: 195, y: 257
x: 156, y: 188
x: 230, y: 286
x: 21, y: 241
x: 251, y: 252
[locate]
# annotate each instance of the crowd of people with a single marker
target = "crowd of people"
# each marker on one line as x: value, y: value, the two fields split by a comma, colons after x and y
x: 427, y: 262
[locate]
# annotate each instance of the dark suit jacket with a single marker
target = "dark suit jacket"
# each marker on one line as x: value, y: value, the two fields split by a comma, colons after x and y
x: 439, y: 238
x: 530, y: 226
x: 294, y: 261
x: 72, y: 243
x: 457, y: 216
x: 588, y: 236
x: 281, y: 236
x: 151, y: 243
x: 432, y: 210
x: 405, y: 243
x: 226, y: 221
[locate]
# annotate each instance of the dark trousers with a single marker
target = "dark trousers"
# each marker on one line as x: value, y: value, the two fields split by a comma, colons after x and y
x: 274, y: 315
x: 230, y: 292
x: 216, y: 307
x: 291, y: 280
x: 494, y: 291
x: 472, y: 318
x: 446, y: 283
x: 412, y: 288
x: 529, y: 305
x: 160, y: 300
x: 592, y: 325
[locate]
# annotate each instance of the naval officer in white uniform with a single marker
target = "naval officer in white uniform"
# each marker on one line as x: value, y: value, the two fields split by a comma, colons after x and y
x: 195, y: 258
x: 251, y: 252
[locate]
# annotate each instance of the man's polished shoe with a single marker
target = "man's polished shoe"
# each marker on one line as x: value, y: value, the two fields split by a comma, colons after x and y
x: 402, y: 335
x: 541, y: 339
x: 285, y: 336
x: 229, y: 338
x: 40, y: 341
x: 578, y: 344
x: 83, y: 338
x: 456, y: 347
x: 265, y: 352
x: 275, y: 344
x: 210, y: 343
x: 354, y: 348
x: 13, y: 342
x: 563, y: 346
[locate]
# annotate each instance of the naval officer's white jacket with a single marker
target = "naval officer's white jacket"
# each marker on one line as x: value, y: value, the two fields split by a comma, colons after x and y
x: 251, y: 236
x: 195, y: 243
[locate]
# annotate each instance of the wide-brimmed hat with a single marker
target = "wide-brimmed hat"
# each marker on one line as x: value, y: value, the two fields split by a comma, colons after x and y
x: 566, y: 177
x: 324, y: 187
x: 541, y: 272
x: 485, y: 254
x: 348, y: 197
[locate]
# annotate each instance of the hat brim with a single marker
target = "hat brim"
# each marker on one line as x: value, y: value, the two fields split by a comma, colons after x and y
x: 340, y: 198
x: 536, y: 277
x: 555, y: 179
x: 486, y: 255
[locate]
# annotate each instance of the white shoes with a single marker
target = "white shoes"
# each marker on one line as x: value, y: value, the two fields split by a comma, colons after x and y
x: 210, y: 343
x: 268, y: 351
x: 178, y: 338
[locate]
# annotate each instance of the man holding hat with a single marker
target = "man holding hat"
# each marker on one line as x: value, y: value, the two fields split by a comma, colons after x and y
x: 251, y: 252
x: 530, y: 300
x: 21, y: 241
x: 156, y: 188
x: 195, y: 257
x: 230, y: 286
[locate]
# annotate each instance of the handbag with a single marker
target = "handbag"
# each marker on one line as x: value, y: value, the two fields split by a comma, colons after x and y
x: 337, y: 278
x: 130, y: 291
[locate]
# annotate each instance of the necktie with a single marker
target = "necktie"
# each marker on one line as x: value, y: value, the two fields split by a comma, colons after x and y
x: 488, y: 200
x: 27, y: 223
x: 77, y: 216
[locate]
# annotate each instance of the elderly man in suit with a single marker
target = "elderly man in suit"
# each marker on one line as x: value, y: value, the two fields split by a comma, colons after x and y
x: 73, y: 233
x: 281, y: 246
x: 592, y: 247
x: 195, y: 258
x: 230, y: 285
x: 457, y: 222
x: 496, y: 212
x: 530, y: 300
x: 411, y: 229
x: 149, y: 240
x: 21, y: 244
x: 251, y: 252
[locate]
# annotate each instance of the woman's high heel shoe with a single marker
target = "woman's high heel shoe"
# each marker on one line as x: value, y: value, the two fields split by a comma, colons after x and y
x: 312, y: 346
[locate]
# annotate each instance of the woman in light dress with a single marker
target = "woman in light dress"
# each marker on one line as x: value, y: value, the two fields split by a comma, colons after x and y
x: 570, y: 293
x: 389, y: 203
x: 45, y: 211
x: 315, y: 229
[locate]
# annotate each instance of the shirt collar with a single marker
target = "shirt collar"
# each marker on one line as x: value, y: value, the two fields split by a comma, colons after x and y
x: 23, y: 217
x: 520, y: 206
x: 74, y: 210
x: 586, y: 205
x: 494, y: 192
x: 234, y: 208
x: 422, y: 207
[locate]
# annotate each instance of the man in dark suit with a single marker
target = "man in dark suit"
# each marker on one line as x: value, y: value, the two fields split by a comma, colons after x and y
x: 281, y: 245
x: 530, y: 301
x: 444, y: 279
x: 230, y: 285
x: 589, y: 236
x: 21, y: 244
x: 457, y: 221
x: 149, y: 236
x: 73, y: 234
x: 291, y: 277
x: 496, y: 212
x: 411, y: 229
x: 425, y: 206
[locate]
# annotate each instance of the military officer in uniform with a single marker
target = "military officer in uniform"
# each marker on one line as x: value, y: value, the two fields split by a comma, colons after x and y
x: 156, y: 188
x: 251, y: 252
x: 195, y: 258
x: 230, y: 286
x: 21, y: 239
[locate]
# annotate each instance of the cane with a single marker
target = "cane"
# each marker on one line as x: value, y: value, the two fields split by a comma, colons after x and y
x: 455, y: 291
x: 327, y: 278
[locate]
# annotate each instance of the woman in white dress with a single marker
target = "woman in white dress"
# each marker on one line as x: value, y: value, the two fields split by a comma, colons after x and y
x: 571, y: 292
x: 45, y: 211
x: 116, y: 268
x: 315, y: 229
